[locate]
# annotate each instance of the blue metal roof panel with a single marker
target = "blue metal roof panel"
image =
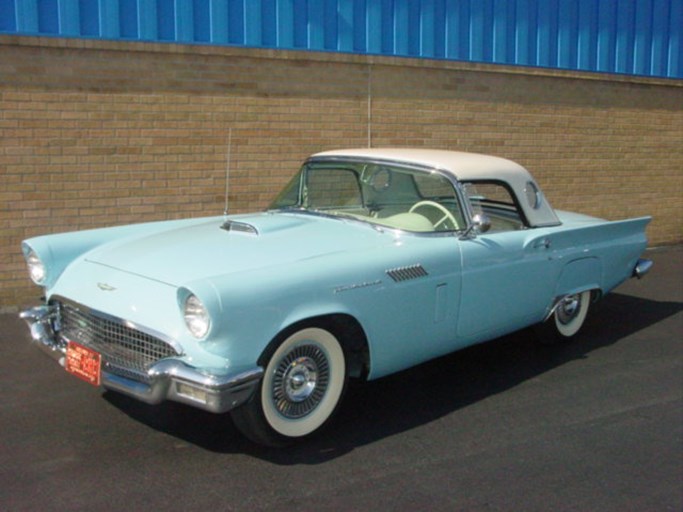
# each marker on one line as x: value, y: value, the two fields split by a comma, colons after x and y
x: 637, y: 37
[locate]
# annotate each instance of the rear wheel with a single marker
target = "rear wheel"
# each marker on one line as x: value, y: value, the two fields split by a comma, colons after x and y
x: 567, y: 319
x: 302, y: 386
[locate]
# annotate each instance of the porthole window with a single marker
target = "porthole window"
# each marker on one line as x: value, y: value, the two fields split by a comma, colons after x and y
x: 381, y: 179
x: 533, y: 195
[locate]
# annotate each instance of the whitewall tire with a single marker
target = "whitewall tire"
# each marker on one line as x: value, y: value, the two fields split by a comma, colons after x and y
x: 302, y: 386
x: 570, y: 314
x: 567, y: 319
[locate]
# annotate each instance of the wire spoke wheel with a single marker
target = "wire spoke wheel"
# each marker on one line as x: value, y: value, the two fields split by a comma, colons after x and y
x: 300, y: 381
x: 303, y: 382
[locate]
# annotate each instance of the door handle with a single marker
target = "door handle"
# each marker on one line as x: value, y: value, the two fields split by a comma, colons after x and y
x: 544, y: 243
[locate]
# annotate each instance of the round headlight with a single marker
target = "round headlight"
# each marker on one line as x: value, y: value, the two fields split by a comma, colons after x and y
x: 196, y: 317
x: 36, y: 269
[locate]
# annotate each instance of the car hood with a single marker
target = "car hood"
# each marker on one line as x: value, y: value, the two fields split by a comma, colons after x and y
x: 176, y: 255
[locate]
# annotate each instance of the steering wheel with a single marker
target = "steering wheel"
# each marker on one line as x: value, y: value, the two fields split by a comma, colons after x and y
x: 441, y: 210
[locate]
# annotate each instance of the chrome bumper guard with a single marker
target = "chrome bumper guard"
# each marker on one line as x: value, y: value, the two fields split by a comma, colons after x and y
x: 642, y: 267
x: 168, y: 379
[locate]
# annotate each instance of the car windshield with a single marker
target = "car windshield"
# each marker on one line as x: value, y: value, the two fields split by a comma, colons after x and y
x: 388, y: 195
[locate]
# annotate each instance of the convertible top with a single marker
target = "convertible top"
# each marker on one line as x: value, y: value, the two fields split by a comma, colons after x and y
x: 465, y: 167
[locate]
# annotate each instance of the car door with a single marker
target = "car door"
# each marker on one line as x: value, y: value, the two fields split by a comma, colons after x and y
x: 508, y: 273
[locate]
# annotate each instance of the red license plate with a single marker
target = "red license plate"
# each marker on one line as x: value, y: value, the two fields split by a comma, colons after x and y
x: 83, y: 362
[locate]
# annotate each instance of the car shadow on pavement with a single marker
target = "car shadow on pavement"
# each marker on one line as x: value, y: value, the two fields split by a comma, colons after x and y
x: 417, y: 396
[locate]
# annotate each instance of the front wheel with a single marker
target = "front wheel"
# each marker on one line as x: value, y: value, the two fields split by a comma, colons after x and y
x: 302, y: 386
x: 567, y: 319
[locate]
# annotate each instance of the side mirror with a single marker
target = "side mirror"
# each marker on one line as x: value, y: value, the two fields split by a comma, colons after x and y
x: 480, y: 224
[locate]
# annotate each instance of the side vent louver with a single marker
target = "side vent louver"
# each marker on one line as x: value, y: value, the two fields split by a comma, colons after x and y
x: 407, y: 273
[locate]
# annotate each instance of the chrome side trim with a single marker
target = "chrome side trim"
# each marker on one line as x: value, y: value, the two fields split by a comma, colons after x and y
x: 642, y: 267
x: 551, y: 310
x: 167, y: 379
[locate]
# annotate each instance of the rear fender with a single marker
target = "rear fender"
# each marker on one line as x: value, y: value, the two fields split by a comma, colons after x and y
x: 578, y: 276
x: 600, y: 256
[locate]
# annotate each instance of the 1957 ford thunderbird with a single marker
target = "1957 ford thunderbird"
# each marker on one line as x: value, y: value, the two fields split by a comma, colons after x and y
x: 368, y: 262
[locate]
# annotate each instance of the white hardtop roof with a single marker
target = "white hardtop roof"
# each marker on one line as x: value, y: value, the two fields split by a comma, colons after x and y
x: 464, y: 167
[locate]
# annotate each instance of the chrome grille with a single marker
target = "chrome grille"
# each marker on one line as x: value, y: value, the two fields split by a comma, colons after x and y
x: 126, y: 350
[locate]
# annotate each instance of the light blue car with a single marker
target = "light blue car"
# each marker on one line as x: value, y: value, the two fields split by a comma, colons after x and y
x: 368, y: 262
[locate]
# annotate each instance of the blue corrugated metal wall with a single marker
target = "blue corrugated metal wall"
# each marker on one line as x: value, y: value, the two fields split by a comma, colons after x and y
x: 639, y: 37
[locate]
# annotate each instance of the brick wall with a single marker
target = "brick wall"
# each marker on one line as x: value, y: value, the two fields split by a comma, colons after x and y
x: 97, y: 133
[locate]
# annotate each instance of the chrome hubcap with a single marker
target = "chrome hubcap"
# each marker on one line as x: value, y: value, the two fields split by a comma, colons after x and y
x: 568, y: 308
x: 300, y: 381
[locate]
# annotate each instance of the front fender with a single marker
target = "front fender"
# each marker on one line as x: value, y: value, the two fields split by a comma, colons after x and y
x: 249, y: 309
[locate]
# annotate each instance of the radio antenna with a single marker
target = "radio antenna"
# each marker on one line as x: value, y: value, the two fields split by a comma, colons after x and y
x: 369, y: 118
x: 227, y: 170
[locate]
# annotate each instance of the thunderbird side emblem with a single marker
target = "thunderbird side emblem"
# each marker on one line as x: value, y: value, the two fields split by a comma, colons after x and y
x: 105, y: 287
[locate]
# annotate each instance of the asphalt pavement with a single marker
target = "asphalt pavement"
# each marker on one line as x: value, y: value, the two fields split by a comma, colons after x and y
x: 509, y: 425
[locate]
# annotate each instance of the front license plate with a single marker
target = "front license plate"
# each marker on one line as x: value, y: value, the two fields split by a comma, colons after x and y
x: 83, y: 362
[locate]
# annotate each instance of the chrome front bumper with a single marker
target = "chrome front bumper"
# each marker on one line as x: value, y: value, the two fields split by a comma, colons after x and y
x: 168, y: 379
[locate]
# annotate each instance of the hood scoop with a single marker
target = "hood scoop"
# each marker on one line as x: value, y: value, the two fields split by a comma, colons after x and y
x: 239, y: 227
